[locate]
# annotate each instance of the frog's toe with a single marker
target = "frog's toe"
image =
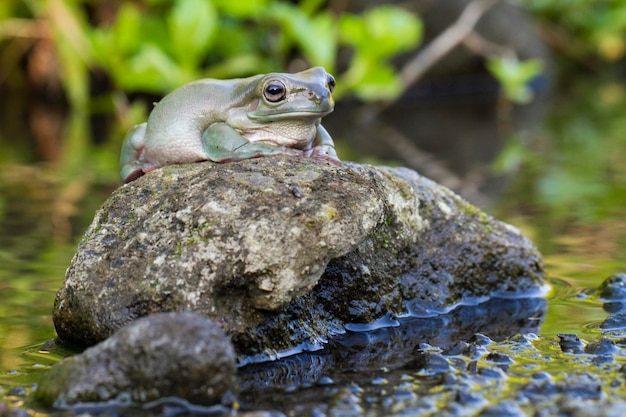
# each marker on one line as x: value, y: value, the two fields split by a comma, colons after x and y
x: 131, y: 173
x: 292, y: 152
x: 326, y: 153
x: 332, y: 159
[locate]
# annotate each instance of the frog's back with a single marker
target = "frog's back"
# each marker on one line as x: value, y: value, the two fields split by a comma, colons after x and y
x: 175, y: 125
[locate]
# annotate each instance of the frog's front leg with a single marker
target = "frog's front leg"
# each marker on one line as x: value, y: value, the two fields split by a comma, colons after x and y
x: 222, y: 143
x: 323, y: 147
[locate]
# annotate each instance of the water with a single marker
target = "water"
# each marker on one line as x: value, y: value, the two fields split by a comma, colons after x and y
x: 567, y: 196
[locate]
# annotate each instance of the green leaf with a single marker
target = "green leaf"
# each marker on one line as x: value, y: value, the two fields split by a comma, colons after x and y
x: 511, y: 157
x: 192, y: 25
x: 393, y: 29
x: 242, y: 8
x: 382, y: 31
x: 319, y: 45
x: 371, y: 81
x: 514, y: 76
x: 127, y: 29
x: 315, y: 35
x: 376, y: 36
x: 151, y: 70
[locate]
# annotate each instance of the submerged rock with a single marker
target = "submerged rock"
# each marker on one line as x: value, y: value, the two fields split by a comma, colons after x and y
x: 285, y: 253
x: 179, y: 355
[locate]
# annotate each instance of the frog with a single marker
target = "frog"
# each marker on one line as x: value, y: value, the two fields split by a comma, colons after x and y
x: 232, y: 120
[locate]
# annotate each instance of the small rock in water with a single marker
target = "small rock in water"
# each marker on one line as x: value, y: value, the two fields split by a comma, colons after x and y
x: 430, y: 363
x: 466, y: 398
x: 503, y: 409
x: 539, y: 387
x: 475, y: 351
x: 614, y: 306
x: 481, y: 339
x: 614, y: 321
x: 499, y: 358
x: 457, y: 349
x: 570, y: 343
x: 602, y: 359
x: 492, y: 373
x: 613, y: 288
x: 584, y: 386
x: 181, y: 355
x: 603, y: 346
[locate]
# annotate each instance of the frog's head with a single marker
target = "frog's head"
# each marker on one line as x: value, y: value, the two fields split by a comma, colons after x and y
x: 305, y: 94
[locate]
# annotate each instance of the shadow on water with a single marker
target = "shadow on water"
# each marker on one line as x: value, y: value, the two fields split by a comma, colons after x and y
x: 394, y: 347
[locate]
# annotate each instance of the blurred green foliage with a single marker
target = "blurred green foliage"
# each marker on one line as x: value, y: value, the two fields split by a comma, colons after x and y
x: 583, y: 28
x: 157, y: 45
x: 514, y: 77
x: 153, y: 46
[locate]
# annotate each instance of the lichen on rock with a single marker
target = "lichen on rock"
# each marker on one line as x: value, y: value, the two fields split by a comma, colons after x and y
x: 285, y: 252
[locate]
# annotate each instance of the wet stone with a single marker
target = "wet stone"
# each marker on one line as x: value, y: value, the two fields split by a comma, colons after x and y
x: 615, y: 321
x: 499, y: 358
x: 570, y: 343
x: 503, y: 409
x: 604, y: 346
x: 492, y: 373
x: 430, y: 363
x: 613, y: 288
x: 541, y: 376
x: 481, y: 340
x: 475, y: 351
x: 602, y: 359
x: 180, y: 355
x: 464, y: 397
x: 449, y: 378
x: 539, y: 387
x: 584, y: 386
x: 614, y: 306
x: 458, y: 363
x: 457, y: 349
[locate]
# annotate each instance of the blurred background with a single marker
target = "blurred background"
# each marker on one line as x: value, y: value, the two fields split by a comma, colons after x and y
x: 519, y: 106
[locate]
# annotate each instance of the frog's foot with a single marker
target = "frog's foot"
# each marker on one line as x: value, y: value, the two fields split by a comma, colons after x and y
x: 130, y: 166
x: 131, y: 174
x: 222, y: 143
x: 325, y: 152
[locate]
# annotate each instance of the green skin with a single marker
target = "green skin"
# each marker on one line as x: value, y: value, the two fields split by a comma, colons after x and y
x: 231, y: 120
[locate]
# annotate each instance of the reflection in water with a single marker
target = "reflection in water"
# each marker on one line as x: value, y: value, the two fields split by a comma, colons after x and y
x: 393, y: 347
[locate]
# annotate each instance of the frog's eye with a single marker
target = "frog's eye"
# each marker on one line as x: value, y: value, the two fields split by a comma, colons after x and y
x: 331, y: 83
x: 275, y: 91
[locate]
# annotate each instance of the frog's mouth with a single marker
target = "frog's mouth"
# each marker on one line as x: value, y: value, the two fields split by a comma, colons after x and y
x: 290, y: 114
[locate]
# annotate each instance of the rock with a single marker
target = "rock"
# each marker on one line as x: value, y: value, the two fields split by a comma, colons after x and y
x: 615, y: 321
x: 506, y: 408
x: 500, y: 358
x: 613, y: 288
x: 604, y: 346
x: 570, y: 343
x: 181, y: 355
x: 283, y: 253
x: 584, y: 386
x: 429, y: 363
